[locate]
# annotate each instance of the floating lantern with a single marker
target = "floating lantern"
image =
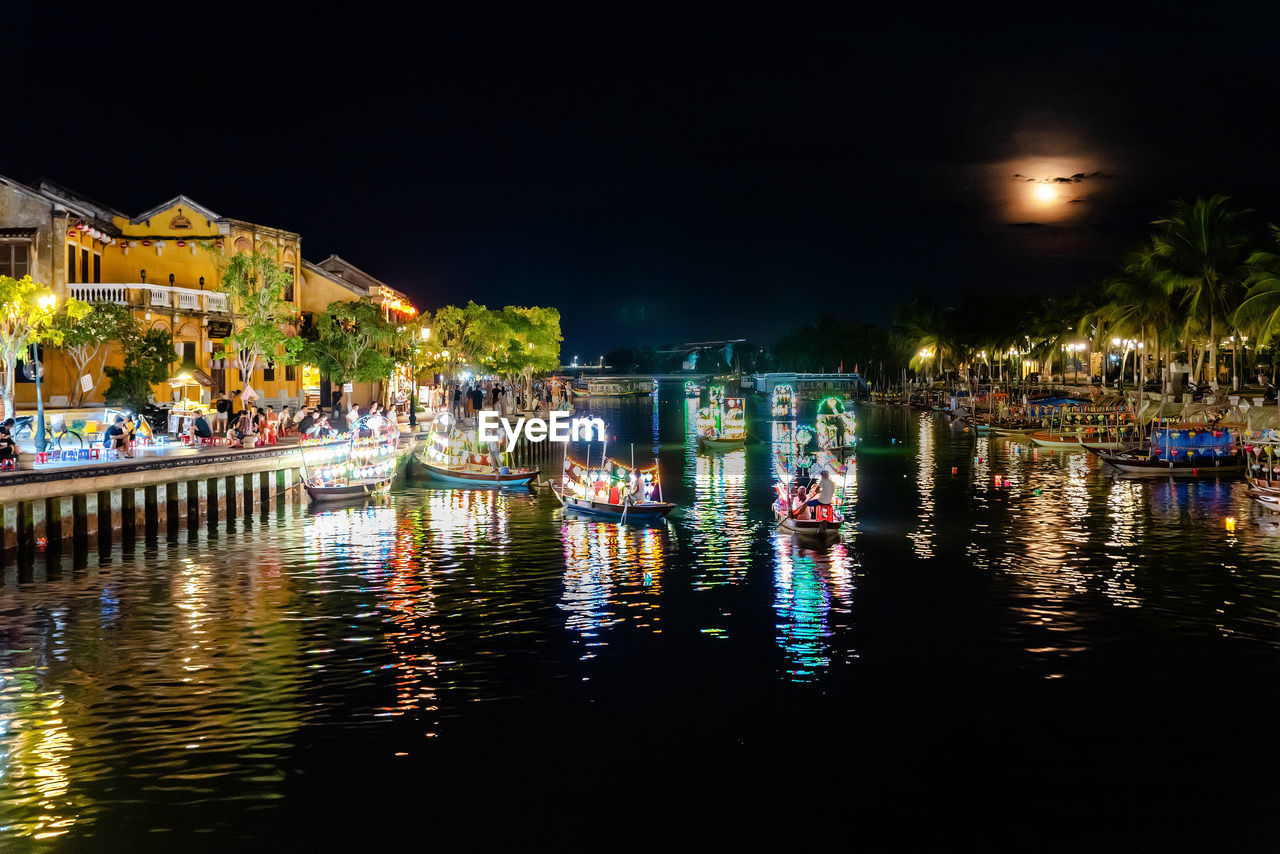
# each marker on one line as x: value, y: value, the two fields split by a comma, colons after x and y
x: 1231, y: 524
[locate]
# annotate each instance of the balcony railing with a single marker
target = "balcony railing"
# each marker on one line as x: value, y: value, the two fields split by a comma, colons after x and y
x: 143, y: 295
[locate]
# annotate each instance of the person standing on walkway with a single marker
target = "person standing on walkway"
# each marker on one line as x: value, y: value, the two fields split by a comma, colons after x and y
x: 221, y: 409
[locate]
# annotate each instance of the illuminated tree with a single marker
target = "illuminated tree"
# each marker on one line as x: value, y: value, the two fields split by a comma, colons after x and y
x: 28, y: 316
x: 352, y: 343
x: 85, y: 340
x: 262, y: 322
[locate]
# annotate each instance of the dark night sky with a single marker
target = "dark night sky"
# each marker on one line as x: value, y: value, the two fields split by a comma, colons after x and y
x: 661, y: 179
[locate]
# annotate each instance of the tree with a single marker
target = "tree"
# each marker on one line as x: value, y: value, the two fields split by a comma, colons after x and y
x: 457, y: 332
x: 1198, y: 252
x: 536, y: 337
x: 84, y: 340
x: 28, y: 316
x: 148, y: 360
x: 352, y: 343
x: 263, y: 324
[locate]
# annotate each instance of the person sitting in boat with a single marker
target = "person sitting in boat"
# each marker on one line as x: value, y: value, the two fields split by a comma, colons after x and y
x: 799, y: 498
x: 822, y: 493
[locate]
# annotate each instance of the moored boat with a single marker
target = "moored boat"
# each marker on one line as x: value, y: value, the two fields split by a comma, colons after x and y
x: 1179, y: 450
x: 1068, y: 442
x: 456, y: 458
x: 365, y: 465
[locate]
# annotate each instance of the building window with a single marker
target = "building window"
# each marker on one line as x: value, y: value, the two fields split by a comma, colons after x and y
x: 188, y: 354
x: 15, y: 259
x: 71, y: 263
x: 97, y: 268
x: 289, y: 375
x: 268, y: 374
x: 84, y: 265
x: 288, y: 289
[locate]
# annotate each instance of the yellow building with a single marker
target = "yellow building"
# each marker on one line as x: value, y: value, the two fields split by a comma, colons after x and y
x: 337, y: 280
x: 165, y: 264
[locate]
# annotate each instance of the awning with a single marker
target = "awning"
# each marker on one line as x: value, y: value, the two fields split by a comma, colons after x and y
x: 18, y: 232
x: 192, y: 376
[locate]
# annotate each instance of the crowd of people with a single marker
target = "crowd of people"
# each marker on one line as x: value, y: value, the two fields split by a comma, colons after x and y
x: 464, y: 399
x: 236, y: 416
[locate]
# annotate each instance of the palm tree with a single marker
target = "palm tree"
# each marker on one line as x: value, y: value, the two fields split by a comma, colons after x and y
x: 1259, y: 311
x: 1138, y: 306
x: 1198, y: 253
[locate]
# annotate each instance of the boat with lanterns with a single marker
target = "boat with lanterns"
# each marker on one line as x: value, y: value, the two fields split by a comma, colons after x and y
x: 345, y: 466
x: 457, y: 457
x: 835, y: 426
x: 722, y: 426
x: 1071, y: 424
x: 1263, y: 472
x: 608, y: 489
x: 1187, y: 450
x: 796, y: 468
x: 783, y: 401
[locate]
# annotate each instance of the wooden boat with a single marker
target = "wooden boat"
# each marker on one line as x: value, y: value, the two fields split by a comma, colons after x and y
x: 1192, y: 450
x: 822, y: 533
x: 363, y: 465
x: 1138, y: 462
x: 715, y: 444
x: 601, y: 490
x: 349, y: 492
x: 1270, y: 502
x: 474, y: 475
x: 1011, y: 431
x: 647, y: 511
x: 722, y: 426
x: 1068, y: 442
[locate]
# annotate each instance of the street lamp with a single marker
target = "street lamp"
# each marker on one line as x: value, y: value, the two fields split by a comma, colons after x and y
x: 47, y: 303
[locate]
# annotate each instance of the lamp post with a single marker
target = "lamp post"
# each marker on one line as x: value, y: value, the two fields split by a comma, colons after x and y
x: 47, y: 303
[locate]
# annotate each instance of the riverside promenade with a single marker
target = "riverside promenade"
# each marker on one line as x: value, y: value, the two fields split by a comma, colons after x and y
x: 55, y: 505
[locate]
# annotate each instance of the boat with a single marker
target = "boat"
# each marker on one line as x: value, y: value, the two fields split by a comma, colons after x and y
x: 1071, y: 423
x: 611, y: 388
x: 455, y: 457
x: 783, y: 401
x: 722, y: 426
x: 611, y: 490
x: 362, y: 466
x: 823, y: 533
x: 1195, y: 450
x: 835, y: 426
x: 1068, y: 442
x: 794, y: 464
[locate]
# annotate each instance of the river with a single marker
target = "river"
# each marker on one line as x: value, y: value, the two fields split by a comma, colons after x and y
x: 1058, y: 656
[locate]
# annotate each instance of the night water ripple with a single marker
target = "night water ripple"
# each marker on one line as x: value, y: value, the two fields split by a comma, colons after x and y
x: 183, y: 685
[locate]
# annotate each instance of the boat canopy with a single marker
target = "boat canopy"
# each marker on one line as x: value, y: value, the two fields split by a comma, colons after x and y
x: 1192, y: 440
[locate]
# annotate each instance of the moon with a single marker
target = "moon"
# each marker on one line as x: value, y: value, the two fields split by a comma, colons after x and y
x: 1045, y: 193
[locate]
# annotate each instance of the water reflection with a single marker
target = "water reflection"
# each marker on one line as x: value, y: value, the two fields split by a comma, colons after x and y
x: 810, y: 590
x: 922, y: 536
x: 721, y: 522
x: 181, y: 687
x: 612, y: 574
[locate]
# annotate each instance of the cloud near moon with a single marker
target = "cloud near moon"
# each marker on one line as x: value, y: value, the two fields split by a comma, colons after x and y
x: 1042, y: 189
